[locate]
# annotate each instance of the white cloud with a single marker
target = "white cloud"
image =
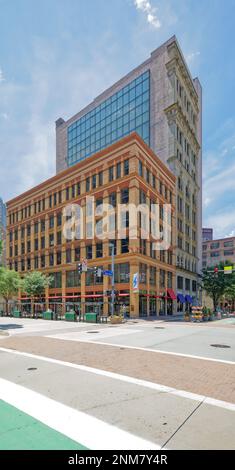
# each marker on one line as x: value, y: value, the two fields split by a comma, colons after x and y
x: 191, y: 56
x: 150, y: 11
x: 4, y: 116
x: 223, y: 223
x: 2, y: 78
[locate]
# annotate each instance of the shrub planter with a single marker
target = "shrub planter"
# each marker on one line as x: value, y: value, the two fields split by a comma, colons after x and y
x: 70, y: 316
x: 116, y: 319
x: 91, y: 317
x: 48, y: 315
x: 17, y: 313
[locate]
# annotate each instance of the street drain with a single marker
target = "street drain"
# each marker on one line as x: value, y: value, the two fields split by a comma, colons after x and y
x: 159, y: 328
x: 92, y: 332
x: 220, y: 346
x: 32, y: 368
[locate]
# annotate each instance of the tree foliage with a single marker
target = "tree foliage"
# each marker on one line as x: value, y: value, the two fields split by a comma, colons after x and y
x: 216, y: 284
x: 35, y: 283
x: 10, y: 283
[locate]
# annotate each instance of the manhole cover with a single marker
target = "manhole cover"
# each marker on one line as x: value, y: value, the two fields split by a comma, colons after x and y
x: 159, y: 327
x: 92, y: 332
x: 220, y: 346
x: 32, y: 368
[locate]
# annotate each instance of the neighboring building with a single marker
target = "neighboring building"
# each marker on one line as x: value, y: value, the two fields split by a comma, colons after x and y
x: 217, y: 251
x: 3, y: 216
x: 207, y: 234
x: 3, y: 222
x: 162, y: 102
x: 126, y: 172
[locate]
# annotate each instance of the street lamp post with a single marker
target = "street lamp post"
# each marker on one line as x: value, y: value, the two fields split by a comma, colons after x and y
x: 112, y: 294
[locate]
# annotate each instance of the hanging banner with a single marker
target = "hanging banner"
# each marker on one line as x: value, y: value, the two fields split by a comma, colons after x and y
x: 135, y: 282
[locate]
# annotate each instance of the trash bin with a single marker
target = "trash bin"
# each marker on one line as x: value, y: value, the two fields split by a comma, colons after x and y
x: 91, y: 317
x: 70, y: 316
x: 16, y: 313
x: 48, y: 315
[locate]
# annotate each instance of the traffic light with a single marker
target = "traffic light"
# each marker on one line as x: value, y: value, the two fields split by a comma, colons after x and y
x: 216, y: 270
x: 80, y: 268
x: 95, y: 271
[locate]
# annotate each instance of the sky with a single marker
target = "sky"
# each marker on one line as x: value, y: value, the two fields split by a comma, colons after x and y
x: 56, y: 56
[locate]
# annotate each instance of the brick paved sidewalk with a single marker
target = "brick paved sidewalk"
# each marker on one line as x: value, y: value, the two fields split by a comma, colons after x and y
x: 199, y: 376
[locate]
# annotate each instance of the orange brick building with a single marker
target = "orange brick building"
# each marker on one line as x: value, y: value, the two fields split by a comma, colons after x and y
x: 126, y: 172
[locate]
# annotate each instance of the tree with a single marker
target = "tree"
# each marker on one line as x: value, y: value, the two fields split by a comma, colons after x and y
x: 216, y: 283
x: 10, y: 283
x: 35, y: 283
x: 229, y: 293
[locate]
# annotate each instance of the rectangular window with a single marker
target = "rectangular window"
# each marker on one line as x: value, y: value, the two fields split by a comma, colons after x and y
x: 125, y: 245
x: 58, y: 257
x: 68, y: 255
x: 143, y: 273
x: 93, y: 181
x: 100, y: 175
x: 180, y: 282
x: 187, y: 284
x: 122, y: 273
x: 99, y: 250
x: 51, y: 239
x: 87, y: 184
x: 43, y: 225
x: 124, y: 196
x: 42, y: 243
x: 112, y: 199
x: 51, y: 222
x: 51, y: 259
x: 89, y: 251
x: 126, y: 167
x: 77, y: 253
x: 59, y: 238
x: 140, y: 168
x: 111, y: 174
x: 59, y: 219
x: 152, y: 275
x: 118, y: 170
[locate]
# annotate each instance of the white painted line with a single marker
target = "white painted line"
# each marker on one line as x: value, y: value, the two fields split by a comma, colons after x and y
x: 103, y: 333
x: 81, y: 427
x: 132, y: 380
x: 170, y: 353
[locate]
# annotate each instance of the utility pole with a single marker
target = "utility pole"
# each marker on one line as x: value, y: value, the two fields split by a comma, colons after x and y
x: 112, y: 295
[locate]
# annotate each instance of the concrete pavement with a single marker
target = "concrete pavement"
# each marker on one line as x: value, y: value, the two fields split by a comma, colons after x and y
x: 159, y: 394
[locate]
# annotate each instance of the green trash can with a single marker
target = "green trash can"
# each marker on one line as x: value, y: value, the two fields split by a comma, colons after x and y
x: 70, y: 316
x: 16, y: 313
x: 91, y: 317
x: 48, y: 315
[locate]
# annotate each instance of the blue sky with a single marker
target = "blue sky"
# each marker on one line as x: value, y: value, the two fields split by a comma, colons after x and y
x: 56, y: 56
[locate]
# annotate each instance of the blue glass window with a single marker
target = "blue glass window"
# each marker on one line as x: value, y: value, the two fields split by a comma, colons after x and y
x: 126, y: 111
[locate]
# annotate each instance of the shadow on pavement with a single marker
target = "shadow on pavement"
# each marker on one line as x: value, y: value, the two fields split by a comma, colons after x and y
x: 11, y: 326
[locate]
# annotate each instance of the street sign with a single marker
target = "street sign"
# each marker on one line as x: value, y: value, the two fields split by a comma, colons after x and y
x: 84, y: 264
x: 99, y: 272
x: 107, y: 272
x: 228, y: 269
